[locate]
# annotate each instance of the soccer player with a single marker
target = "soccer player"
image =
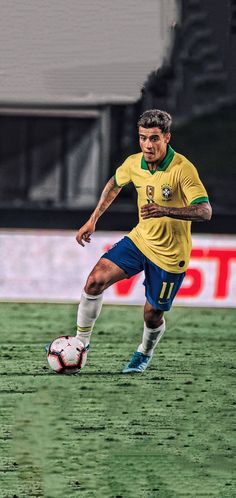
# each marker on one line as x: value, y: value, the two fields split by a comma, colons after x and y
x: 170, y: 196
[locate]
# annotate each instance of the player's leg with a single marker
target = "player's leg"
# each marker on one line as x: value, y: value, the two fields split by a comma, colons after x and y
x: 121, y: 261
x: 160, y: 289
x: 153, y: 329
x: 104, y: 274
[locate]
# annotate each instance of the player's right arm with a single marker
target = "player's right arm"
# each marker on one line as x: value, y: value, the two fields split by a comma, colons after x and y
x: 109, y: 193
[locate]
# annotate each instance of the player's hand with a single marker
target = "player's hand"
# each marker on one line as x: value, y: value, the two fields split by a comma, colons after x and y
x: 152, y: 210
x: 84, y: 233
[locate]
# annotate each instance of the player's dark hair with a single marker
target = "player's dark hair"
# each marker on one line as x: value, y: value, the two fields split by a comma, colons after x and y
x: 154, y: 118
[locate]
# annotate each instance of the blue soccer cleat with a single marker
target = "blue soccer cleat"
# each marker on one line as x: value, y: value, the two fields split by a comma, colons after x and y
x: 138, y: 363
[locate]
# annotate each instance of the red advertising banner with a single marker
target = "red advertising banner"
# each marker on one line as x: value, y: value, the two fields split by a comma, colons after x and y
x: 48, y: 265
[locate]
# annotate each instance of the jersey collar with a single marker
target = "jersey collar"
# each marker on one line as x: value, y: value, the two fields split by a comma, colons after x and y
x: 164, y: 164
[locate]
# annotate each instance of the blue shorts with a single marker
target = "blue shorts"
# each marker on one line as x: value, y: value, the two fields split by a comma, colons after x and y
x: 160, y: 286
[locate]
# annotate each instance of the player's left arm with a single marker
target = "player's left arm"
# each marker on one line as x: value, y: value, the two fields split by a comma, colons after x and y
x: 194, y: 194
x: 195, y: 212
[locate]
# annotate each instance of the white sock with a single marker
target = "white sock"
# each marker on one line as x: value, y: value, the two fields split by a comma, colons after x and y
x: 88, y: 312
x: 150, y: 339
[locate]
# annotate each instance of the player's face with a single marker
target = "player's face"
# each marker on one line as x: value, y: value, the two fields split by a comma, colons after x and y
x: 153, y: 144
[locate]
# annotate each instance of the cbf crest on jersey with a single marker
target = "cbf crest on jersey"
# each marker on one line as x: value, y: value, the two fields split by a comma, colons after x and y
x: 166, y: 191
x: 150, y: 193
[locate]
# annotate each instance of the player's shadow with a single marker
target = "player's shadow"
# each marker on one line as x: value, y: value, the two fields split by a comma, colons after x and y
x: 101, y: 374
x: 47, y: 374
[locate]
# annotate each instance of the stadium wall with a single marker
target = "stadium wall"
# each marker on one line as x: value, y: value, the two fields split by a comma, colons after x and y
x: 50, y: 266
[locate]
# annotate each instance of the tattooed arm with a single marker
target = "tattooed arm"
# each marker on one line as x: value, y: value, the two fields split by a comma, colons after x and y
x: 194, y: 212
x: 108, y: 195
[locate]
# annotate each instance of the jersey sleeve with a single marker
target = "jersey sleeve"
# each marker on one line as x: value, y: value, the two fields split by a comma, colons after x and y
x: 192, y: 187
x: 122, y: 175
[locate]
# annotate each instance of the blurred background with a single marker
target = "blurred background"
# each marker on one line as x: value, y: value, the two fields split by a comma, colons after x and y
x: 75, y: 76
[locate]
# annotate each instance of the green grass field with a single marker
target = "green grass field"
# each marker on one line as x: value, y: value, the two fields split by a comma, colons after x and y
x: 169, y: 433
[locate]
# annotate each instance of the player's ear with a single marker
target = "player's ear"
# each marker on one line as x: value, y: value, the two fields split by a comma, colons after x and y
x: 167, y: 137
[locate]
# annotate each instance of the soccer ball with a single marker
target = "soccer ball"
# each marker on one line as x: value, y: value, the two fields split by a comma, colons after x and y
x: 67, y: 355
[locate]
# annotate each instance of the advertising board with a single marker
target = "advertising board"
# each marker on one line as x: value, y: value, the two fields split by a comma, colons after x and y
x: 48, y: 265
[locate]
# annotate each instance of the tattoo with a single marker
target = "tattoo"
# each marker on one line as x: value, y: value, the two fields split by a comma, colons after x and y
x: 195, y: 212
x: 108, y: 195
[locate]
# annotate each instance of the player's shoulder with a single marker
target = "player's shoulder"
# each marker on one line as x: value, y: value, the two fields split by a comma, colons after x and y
x: 183, y: 163
x: 131, y: 162
x: 134, y: 158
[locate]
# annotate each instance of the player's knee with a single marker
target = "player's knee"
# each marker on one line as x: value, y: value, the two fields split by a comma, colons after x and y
x: 153, y: 318
x: 95, y: 284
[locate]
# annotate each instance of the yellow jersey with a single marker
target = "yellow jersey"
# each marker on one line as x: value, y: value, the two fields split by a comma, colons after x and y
x: 165, y: 241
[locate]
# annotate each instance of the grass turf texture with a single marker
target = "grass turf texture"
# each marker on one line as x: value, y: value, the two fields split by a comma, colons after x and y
x: 168, y: 433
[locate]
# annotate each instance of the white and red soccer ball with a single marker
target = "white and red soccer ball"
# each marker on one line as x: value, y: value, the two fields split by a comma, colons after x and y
x: 67, y: 355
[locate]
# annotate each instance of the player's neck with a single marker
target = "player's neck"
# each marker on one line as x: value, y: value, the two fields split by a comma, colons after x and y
x: 155, y: 165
